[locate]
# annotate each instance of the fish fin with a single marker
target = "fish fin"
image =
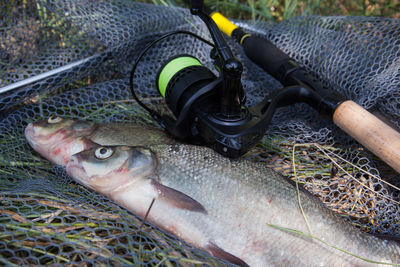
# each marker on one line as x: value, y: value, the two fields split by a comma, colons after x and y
x: 177, y: 198
x: 387, y: 237
x: 222, y: 254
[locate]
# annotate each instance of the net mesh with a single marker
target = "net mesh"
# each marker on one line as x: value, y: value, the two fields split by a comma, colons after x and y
x: 72, y: 58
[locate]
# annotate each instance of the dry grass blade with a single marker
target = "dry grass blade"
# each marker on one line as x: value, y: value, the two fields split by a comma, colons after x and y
x: 349, y: 190
x: 298, y: 193
x: 366, y: 186
x: 357, y: 167
x: 300, y: 233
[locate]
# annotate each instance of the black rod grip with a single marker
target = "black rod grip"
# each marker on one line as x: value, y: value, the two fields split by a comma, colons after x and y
x: 264, y: 54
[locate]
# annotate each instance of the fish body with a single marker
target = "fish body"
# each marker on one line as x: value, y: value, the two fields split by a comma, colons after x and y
x: 236, y: 210
x: 57, y: 138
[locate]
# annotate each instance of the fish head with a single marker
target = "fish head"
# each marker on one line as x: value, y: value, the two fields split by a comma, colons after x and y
x: 59, y: 138
x: 110, y: 168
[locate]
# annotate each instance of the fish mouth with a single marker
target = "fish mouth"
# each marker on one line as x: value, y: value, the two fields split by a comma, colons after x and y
x: 32, y: 139
x: 56, y: 146
x: 29, y: 130
x: 30, y: 134
x: 34, y: 136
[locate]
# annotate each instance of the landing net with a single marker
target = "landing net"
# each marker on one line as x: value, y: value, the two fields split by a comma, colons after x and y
x: 72, y: 58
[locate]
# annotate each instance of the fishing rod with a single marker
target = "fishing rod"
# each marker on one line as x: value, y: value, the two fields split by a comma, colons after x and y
x: 210, y: 110
x: 367, y: 129
x: 42, y: 76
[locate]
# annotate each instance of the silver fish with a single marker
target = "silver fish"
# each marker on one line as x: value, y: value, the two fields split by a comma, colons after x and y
x: 57, y: 138
x: 236, y: 210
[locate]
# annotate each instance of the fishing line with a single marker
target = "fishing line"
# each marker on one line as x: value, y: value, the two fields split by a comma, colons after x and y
x: 147, y: 213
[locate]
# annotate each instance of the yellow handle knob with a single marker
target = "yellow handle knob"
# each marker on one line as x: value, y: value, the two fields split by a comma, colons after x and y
x: 223, y: 23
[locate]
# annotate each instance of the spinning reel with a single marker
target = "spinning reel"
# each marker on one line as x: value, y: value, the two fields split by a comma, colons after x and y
x: 210, y: 109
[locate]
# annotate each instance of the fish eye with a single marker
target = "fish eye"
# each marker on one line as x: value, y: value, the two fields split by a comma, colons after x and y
x: 103, y: 152
x: 54, y: 119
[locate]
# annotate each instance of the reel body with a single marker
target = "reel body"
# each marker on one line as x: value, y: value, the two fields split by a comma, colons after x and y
x: 194, y: 93
x: 180, y: 78
x: 210, y: 109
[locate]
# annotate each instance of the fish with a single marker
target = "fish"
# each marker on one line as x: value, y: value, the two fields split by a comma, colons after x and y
x: 236, y: 210
x: 58, y: 138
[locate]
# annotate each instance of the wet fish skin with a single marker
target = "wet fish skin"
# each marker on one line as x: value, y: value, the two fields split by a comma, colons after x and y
x: 241, y: 199
x: 57, y: 138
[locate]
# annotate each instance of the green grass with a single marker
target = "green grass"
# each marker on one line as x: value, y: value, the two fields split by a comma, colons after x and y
x: 274, y: 10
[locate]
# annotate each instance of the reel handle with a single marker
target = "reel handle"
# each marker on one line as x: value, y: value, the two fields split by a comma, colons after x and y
x: 367, y: 129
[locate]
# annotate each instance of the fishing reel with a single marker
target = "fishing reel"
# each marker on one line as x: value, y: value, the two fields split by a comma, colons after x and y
x: 210, y: 110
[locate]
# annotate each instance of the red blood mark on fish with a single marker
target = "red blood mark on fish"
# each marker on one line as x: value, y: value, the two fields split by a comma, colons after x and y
x: 56, y: 151
x: 66, y: 159
x: 258, y: 246
x: 269, y: 201
x: 121, y: 170
x: 59, y: 132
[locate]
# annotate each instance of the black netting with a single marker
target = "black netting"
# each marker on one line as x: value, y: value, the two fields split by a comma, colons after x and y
x: 73, y: 58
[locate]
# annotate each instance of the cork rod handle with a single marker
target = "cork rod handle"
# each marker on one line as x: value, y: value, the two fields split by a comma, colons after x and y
x: 375, y: 135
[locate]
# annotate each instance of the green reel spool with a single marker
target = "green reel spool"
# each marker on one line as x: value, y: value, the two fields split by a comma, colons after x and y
x: 180, y: 78
x: 172, y: 67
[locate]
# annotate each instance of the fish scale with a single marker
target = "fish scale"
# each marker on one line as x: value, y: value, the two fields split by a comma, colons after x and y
x: 244, y: 213
x: 241, y: 200
x: 128, y: 134
x: 266, y: 193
